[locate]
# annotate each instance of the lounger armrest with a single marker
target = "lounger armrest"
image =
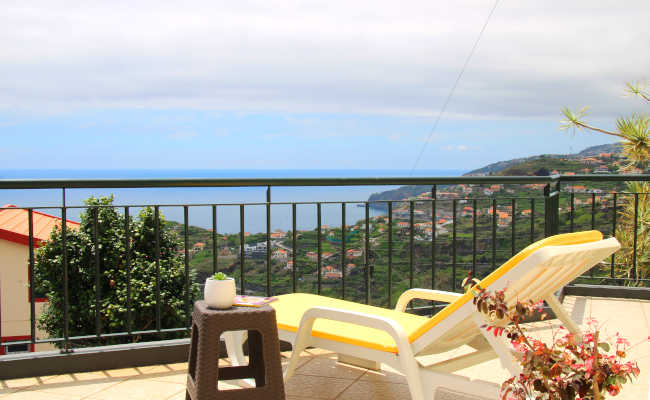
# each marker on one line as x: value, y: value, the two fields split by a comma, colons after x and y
x: 353, y: 317
x: 425, y: 294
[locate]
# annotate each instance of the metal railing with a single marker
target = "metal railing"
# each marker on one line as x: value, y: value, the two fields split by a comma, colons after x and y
x: 393, y: 259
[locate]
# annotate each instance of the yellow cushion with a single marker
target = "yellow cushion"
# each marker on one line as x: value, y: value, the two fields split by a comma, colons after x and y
x: 289, y: 309
x: 557, y: 240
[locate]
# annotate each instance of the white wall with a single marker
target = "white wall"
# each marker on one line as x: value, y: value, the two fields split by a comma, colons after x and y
x: 14, y: 295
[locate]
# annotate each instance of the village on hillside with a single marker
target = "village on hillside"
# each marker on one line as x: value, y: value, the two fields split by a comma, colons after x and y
x: 462, y: 211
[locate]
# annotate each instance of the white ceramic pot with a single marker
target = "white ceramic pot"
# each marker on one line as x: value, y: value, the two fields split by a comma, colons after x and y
x: 219, y: 294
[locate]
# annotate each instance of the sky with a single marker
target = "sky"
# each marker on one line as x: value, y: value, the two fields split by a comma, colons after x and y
x: 309, y: 85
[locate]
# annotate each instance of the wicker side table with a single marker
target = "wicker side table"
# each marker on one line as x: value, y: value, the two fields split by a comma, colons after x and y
x: 264, y: 354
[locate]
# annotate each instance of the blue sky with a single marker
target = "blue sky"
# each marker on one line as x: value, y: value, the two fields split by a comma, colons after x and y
x: 319, y: 85
x: 164, y: 139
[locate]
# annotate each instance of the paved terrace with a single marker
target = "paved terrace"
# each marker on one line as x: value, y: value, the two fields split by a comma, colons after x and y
x: 321, y: 377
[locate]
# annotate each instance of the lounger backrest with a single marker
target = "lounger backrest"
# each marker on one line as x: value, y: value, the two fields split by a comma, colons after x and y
x: 535, y: 272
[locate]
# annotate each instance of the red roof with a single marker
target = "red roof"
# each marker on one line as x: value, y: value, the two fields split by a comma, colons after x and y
x: 14, y: 225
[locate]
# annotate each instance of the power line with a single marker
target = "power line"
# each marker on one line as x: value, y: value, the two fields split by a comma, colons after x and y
x: 453, y: 88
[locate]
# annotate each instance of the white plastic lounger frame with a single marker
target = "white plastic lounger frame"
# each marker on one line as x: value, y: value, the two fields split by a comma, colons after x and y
x: 536, y: 277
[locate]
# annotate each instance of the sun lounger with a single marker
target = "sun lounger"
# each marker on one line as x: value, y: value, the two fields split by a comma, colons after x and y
x: 397, y: 338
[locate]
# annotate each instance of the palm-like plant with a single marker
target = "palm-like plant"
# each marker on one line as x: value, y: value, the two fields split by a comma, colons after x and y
x: 635, y: 138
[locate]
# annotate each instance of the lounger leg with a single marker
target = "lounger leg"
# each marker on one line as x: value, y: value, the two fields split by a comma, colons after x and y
x: 235, y: 346
x: 301, y: 343
x: 498, y: 344
x: 411, y: 370
x: 563, y: 316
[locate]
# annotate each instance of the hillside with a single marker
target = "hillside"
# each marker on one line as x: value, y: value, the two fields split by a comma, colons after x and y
x: 493, y: 169
x: 602, y: 159
x: 464, y: 237
x: 543, y: 166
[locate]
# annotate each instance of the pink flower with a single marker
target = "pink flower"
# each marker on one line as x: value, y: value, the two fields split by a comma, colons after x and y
x: 517, y: 346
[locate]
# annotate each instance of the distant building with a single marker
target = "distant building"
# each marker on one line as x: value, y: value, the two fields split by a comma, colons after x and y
x: 257, y: 250
x: 198, y: 246
x: 354, y: 253
x: 278, y: 234
x: 280, y: 254
x: 329, y: 272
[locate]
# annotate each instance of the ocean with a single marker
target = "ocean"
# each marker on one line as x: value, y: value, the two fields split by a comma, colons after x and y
x: 228, y: 218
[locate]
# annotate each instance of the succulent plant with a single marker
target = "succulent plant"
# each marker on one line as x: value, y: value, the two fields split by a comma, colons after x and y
x: 220, y: 276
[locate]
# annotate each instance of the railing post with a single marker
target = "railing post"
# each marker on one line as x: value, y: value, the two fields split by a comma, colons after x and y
x: 434, y: 194
x: 30, y: 277
x: 366, y: 250
x: 390, y: 254
x: 319, y: 234
x: 242, y: 253
x: 411, y: 242
x: 157, y: 239
x: 343, y: 249
x: 294, y: 248
x: 453, y: 244
x: 98, y: 316
x: 268, y: 241
x: 186, y: 270
x: 552, y: 207
x: 215, y: 247
x: 127, y: 265
x: 67, y: 347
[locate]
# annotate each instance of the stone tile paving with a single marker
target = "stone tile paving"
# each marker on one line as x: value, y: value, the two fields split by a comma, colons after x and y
x: 320, y: 376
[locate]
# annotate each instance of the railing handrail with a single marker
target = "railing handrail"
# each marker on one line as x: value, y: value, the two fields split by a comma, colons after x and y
x: 265, y: 182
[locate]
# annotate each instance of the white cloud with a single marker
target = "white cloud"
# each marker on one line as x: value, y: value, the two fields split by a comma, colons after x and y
x: 343, y: 57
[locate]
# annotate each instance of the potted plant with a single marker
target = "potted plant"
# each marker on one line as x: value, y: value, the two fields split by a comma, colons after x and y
x: 219, y: 291
x: 569, y: 368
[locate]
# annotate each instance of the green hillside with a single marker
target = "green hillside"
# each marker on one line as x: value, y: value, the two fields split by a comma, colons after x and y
x: 595, y: 158
x: 543, y: 166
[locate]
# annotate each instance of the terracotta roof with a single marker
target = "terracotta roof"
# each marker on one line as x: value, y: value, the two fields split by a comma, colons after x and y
x: 14, y: 225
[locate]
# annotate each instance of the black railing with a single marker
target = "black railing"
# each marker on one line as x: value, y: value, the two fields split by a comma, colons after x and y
x: 399, y: 249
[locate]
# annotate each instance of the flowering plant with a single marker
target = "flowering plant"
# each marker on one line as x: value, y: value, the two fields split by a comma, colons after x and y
x: 571, y: 368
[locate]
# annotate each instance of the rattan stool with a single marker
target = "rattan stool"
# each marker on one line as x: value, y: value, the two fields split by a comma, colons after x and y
x: 264, y: 354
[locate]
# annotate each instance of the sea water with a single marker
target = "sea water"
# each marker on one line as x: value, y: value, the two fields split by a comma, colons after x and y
x: 201, y: 199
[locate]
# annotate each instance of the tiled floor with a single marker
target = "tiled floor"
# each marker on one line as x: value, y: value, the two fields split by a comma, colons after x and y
x: 321, y: 377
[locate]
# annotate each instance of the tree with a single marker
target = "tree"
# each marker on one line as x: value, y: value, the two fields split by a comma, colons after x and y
x: 542, y: 172
x: 114, y: 276
x: 635, y: 138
